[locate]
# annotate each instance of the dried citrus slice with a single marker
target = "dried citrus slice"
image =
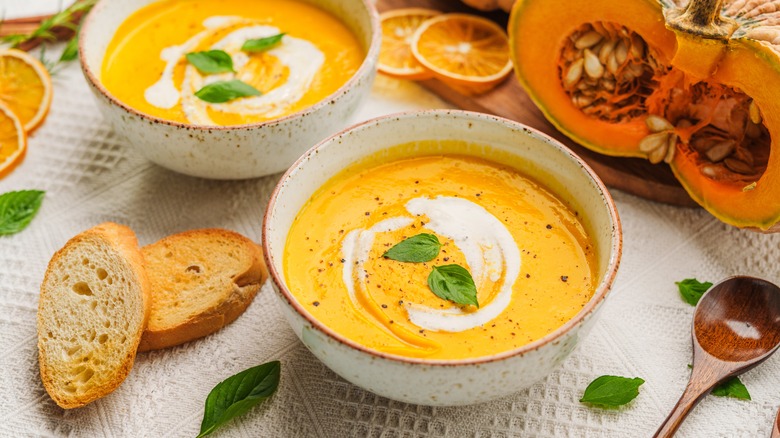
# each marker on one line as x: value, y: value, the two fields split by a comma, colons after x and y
x: 469, y: 53
x: 395, y: 56
x: 25, y: 87
x: 13, y: 140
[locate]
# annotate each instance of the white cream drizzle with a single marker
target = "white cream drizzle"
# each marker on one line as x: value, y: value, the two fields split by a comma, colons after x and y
x: 489, y: 249
x: 302, y: 58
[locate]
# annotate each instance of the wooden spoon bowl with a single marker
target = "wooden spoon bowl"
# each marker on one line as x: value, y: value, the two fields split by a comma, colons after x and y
x: 727, y: 326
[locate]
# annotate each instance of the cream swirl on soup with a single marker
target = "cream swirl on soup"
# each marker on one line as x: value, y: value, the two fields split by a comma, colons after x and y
x: 302, y: 58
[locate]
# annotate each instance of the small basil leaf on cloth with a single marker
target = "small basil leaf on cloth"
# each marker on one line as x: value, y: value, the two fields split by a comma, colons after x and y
x: 611, y: 391
x: 733, y: 388
x: 17, y: 210
x: 692, y: 289
x: 237, y: 394
x: 261, y: 44
x: 420, y: 248
x: 454, y: 283
x: 211, y: 61
x: 224, y: 91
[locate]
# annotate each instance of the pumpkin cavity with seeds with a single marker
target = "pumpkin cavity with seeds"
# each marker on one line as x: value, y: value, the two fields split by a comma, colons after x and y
x: 687, y: 82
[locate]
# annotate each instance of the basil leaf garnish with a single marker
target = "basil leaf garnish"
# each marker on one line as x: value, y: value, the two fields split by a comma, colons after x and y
x: 691, y: 290
x: 420, y: 248
x: 211, y: 61
x: 261, y: 44
x: 223, y: 91
x: 17, y: 210
x: 733, y: 388
x: 611, y: 391
x: 454, y: 283
x: 237, y: 394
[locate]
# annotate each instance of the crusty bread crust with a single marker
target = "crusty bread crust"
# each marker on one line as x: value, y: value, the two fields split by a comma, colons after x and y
x: 112, y: 360
x: 194, y: 267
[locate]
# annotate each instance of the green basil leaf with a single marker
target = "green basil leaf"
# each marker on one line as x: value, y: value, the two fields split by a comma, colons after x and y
x: 611, y: 391
x: 454, y: 283
x: 237, y: 394
x: 691, y: 290
x: 262, y: 44
x: 17, y: 210
x: 732, y: 387
x: 223, y: 91
x: 211, y: 61
x: 416, y: 249
x: 71, y: 49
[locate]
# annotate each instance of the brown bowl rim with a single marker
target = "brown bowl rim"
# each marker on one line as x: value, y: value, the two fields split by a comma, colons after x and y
x: 596, y: 300
x: 371, y: 58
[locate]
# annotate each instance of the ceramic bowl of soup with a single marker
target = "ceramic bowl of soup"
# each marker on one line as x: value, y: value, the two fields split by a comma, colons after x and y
x: 229, y: 89
x: 441, y: 257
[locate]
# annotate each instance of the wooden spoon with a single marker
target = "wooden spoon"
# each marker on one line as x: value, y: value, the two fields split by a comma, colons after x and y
x: 776, y: 426
x: 736, y: 326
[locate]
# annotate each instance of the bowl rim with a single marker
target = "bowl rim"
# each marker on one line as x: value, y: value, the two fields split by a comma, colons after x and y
x: 366, y: 67
x: 595, y: 301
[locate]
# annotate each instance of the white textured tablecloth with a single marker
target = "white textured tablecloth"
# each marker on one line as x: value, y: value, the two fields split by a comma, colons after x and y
x: 90, y: 176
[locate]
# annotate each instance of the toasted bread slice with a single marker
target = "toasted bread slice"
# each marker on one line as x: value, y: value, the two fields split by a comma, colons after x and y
x: 94, y: 304
x: 201, y: 281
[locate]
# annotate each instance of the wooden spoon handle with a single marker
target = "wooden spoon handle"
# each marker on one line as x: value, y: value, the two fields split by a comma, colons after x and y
x: 693, y: 393
x: 776, y: 426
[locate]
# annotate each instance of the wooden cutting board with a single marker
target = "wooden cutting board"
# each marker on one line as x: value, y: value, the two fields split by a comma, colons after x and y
x: 633, y: 175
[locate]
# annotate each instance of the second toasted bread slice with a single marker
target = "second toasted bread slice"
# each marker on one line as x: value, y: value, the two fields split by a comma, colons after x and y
x: 201, y: 281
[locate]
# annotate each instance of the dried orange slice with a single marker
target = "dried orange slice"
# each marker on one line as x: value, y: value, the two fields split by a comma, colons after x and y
x: 25, y: 87
x: 13, y: 140
x: 469, y: 53
x: 395, y: 56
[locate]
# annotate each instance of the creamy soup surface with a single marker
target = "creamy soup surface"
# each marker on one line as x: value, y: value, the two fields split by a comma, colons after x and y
x: 530, y: 258
x: 146, y: 66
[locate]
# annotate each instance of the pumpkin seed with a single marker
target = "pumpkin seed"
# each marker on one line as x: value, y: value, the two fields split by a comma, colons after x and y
x: 671, y: 148
x: 657, y: 155
x: 712, y: 170
x: 621, y: 52
x: 755, y: 114
x: 606, y: 50
x: 684, y: 123
x: 637, y: 47
x: 587, y: 40
x: 653, y: 142
x: 575, y: 73
x: 593, y: 67
x: 720, y: 151
x: 657, y: 123
x: 738, y: 166
x: 581, y: 101
x: 612, y: 64
x: 743, y: 154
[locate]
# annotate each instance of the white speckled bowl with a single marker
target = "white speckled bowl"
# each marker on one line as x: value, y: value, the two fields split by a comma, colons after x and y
x: 232, y: 152
x: 445, y: 382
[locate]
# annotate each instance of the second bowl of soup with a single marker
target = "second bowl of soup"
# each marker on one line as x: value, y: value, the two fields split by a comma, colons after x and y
x: 229, y: 89
x: 441, y: 257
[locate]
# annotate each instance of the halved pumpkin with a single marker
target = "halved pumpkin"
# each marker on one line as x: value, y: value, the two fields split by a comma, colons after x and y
x: 695, y: 84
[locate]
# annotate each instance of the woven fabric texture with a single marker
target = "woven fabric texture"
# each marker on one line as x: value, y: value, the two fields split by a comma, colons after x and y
x: 91, y: 175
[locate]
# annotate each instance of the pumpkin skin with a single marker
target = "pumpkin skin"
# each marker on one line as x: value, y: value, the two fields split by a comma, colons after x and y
x: 727, y: 63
